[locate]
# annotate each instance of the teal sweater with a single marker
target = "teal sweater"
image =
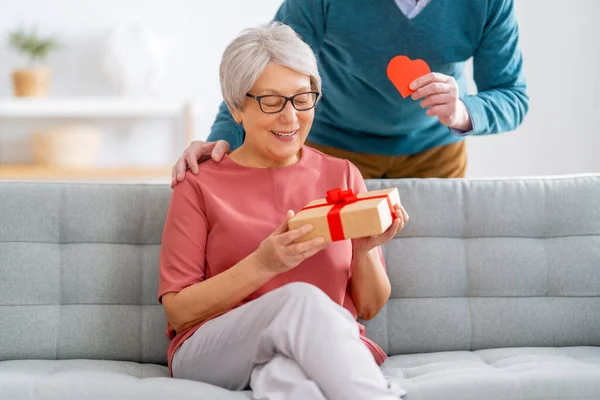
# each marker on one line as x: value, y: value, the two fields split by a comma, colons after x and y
x: 362, y: 111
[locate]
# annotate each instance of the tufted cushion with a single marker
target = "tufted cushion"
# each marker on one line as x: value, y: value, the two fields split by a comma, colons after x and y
x: 513, y: 373
x: 493, y: 263
x: 98, y: 379
x: 79, y: 268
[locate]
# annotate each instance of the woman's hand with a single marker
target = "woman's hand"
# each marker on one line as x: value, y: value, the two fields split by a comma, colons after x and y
x: 277, y: 253
x: 363, y: 245
x: 441, y: 100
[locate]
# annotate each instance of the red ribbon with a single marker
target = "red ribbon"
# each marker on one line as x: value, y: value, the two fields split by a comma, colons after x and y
x: 340, y: 198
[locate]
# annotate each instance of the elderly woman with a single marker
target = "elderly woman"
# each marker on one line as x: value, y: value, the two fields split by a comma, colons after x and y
x: 247, y: 305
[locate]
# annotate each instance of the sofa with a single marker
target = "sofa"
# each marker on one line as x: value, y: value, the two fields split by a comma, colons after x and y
x: 496, y: 291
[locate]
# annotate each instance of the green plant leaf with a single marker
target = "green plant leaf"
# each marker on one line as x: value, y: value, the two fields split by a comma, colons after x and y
x: 32, y: 44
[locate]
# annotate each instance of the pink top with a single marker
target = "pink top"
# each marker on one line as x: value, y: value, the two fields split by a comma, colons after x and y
x: 220, y: 216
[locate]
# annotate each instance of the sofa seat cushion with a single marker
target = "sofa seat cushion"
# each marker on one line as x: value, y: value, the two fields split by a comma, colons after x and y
x: 508, y: 373
x: 100, y: 379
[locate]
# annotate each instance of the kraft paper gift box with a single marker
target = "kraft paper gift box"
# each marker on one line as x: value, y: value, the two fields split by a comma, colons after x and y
x: 343, y: 215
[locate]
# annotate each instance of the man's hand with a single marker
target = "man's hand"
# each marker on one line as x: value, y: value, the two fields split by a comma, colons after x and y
x: 441, y: 99
x: 196, y: 153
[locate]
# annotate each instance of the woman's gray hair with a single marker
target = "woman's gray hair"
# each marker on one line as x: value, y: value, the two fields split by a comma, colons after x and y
x: 247, y: 56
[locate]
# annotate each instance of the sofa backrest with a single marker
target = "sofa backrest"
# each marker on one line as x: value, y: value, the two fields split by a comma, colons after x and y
x: 481, y: 264
x: 79, y: 271
x: 493, y: 263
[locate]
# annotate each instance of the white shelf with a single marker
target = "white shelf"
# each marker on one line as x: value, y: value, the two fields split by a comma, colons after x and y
x: 43, y: 173
x: 92, y: 107
x: 99, y: 107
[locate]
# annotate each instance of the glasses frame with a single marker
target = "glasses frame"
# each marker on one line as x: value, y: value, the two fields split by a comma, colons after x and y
x: 290, y: 99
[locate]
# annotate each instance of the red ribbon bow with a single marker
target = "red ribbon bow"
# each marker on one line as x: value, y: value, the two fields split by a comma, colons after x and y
x: 340, y: 198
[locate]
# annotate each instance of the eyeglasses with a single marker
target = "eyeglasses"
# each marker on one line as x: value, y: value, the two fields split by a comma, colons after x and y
x: 274, y: 103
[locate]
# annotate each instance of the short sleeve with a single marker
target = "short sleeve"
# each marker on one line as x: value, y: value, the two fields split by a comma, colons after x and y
x: 182, y: 254
x: 358, y: 185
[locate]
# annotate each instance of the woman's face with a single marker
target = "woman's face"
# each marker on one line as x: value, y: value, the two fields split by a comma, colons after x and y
x: 276, y: 139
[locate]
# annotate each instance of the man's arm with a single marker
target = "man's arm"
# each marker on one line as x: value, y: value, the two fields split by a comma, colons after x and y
x: 307, y: 18
x: 225, y: 128
x: 502, y: 101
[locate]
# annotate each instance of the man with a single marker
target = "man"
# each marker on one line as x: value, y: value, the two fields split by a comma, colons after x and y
x: 363, y: 118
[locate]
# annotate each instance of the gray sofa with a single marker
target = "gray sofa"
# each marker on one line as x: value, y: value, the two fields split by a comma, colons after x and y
x: 496, y: 292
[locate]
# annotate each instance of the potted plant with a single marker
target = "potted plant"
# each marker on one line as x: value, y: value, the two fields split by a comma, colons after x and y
x: 31, y: 81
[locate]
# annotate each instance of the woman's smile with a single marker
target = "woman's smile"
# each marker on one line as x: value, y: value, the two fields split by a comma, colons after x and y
x: 286, y: 135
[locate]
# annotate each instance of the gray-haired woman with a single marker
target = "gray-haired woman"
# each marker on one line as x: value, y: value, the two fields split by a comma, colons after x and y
x: 246, y: 305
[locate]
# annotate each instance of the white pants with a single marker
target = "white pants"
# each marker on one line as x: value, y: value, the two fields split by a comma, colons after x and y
x: 291, y: 343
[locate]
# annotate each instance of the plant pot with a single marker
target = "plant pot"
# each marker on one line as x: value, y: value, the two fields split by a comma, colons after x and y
x: 66, y: 146
x: 31, y: 82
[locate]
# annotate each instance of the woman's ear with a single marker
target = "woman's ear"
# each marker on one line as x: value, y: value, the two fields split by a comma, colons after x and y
x: 237, y: 115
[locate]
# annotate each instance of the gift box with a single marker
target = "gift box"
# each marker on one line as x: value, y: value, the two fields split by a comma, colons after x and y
x: 344, y: 215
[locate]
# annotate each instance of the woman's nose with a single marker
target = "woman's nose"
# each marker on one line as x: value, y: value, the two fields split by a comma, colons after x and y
x: 289, y: 113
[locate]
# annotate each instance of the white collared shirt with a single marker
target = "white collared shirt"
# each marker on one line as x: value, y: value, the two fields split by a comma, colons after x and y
x: 411, y: 8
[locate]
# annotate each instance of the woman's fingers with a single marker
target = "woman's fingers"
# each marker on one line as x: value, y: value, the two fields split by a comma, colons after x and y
x: 404, y: 214
x: 315, y: 244
x: 388, y: 234
x: 294, y: 253
x: 313, y: 250
x: 401, y: 223
x: 288, y: 237
x: 283, y: 227
x: 394, y: 228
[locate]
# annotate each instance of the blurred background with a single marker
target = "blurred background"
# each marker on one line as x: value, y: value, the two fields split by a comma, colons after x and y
x: 130, y: 83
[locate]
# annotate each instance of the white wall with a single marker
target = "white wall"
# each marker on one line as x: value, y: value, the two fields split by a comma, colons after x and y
x: 561, y: 134
x: 562, y: 62
x: 200, y: 30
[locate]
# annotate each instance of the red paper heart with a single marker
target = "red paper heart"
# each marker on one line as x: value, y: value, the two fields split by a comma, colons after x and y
x: 402, y: 71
